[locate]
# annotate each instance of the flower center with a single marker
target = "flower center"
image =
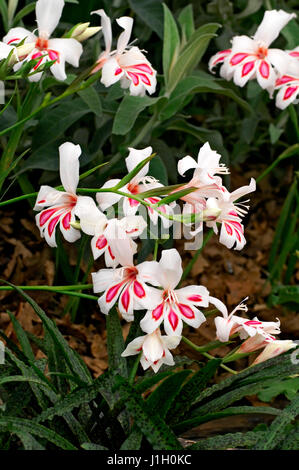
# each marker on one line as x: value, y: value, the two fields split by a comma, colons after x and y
x: 262, y: 53
x: 41, y: 44
x: 133, y: 188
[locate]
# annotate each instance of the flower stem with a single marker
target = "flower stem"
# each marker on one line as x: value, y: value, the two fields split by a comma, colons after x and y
x: 51, y: 288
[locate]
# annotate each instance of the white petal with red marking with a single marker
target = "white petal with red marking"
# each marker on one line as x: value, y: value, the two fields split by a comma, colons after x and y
x: 110, y: 296
x: 99, y: 245
x: 119, y: 242
x: 111, y: 72
x: 245, y: 71
x: 68, y: 48
x: 223, y: 328
x: 16, y: 35
x: 134, y: 347
x: 104, y: 278
x: 231, y: 234
x: 287, y: 95
x: 173, y: 324
x: 69, y: 233
x: 48, y: 196
x: 126, y: 302
x: 197, y: 295
x: 191, y: 315
x: 153, y: 318
x: 265, y: 74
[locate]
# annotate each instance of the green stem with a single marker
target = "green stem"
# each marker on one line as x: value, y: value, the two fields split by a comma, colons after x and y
x: 290, y: 152
x: 206, y: 347
x: 195, y: 257
x: 51, y: 288
x: 134, y: 369
x: 156, y: 250
x: 228, y: 369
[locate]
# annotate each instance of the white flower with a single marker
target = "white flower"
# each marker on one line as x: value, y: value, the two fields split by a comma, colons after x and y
x: 230, y: 215
x: 155, y: 349
x: 252, y: 58
x: 61, y: 206
x: 173, y: 306
x: 231, y: 324
x: 275, y: 348
x: 138, y: 184
x: 288, y: 86
x: 127, y: 283
x: 127, y: 64
x: 109, y: 236
x: 48, y: 13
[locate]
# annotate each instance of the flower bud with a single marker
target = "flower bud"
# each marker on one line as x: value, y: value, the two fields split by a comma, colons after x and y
x: 88, y: 33
x: 21, y: 52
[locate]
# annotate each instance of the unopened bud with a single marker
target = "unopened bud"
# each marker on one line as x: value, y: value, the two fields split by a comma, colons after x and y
x: 78, y: 29
x: 89, y: 32
x: 21, y: 52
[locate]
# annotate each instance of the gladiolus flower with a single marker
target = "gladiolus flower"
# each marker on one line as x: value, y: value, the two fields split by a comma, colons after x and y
x: 110, y: 236
x: 128, y: 284
x: 173, y: 306
x: 48, y: 13
x: 127, y: 64
x: 138, y: 184
x: 230, y: 215
x: 61, y: 206
x: 155, y: 349
x: 275, y: 348
x: 252, y: 58
x: 230, y: 324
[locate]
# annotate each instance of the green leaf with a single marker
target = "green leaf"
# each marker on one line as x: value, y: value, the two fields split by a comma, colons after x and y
x: 54, y: 122
x: 275, y: 133
x: 284, y: 294
x: 188, y: 424
x: 20, y: 425
x: 29, y: 442
x: 288, y: 387
x: 277, y: 428
x: 151, y: 425
x: 197, y: 84
x: 163, y: 397
x: 73, y: 360
x: 192, y: 389
x: 291, y: 34
x: 158, y: 170
x: 91, y: 446
x: 25, y: 11
x: 126, y: 179
x: 151, y: 12
x: 149, y: 382
x: 191, y: 55
x: 171, y: 43
x: 228, y: 441
x: 186, y: 20
x: 22, y: 337
x: 92, y: 99
x: 128, y: 111
x: 115, y: 344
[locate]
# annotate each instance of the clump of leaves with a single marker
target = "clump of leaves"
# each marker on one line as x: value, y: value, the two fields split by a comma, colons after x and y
x: 55, y: 403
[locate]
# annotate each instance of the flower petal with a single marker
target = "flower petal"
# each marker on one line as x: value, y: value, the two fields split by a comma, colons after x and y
x: 126, y: 23
x: 92, y: 220
x: 273, y: 22
x: 69, y: 166
x: 111, y: 72
x: 134, y: 158
x: 171, y: 270
x: 106, y: 200
x: 69, y: 49
x: 106, y: 28
x: 16, y: 35
x: 48, y: 14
